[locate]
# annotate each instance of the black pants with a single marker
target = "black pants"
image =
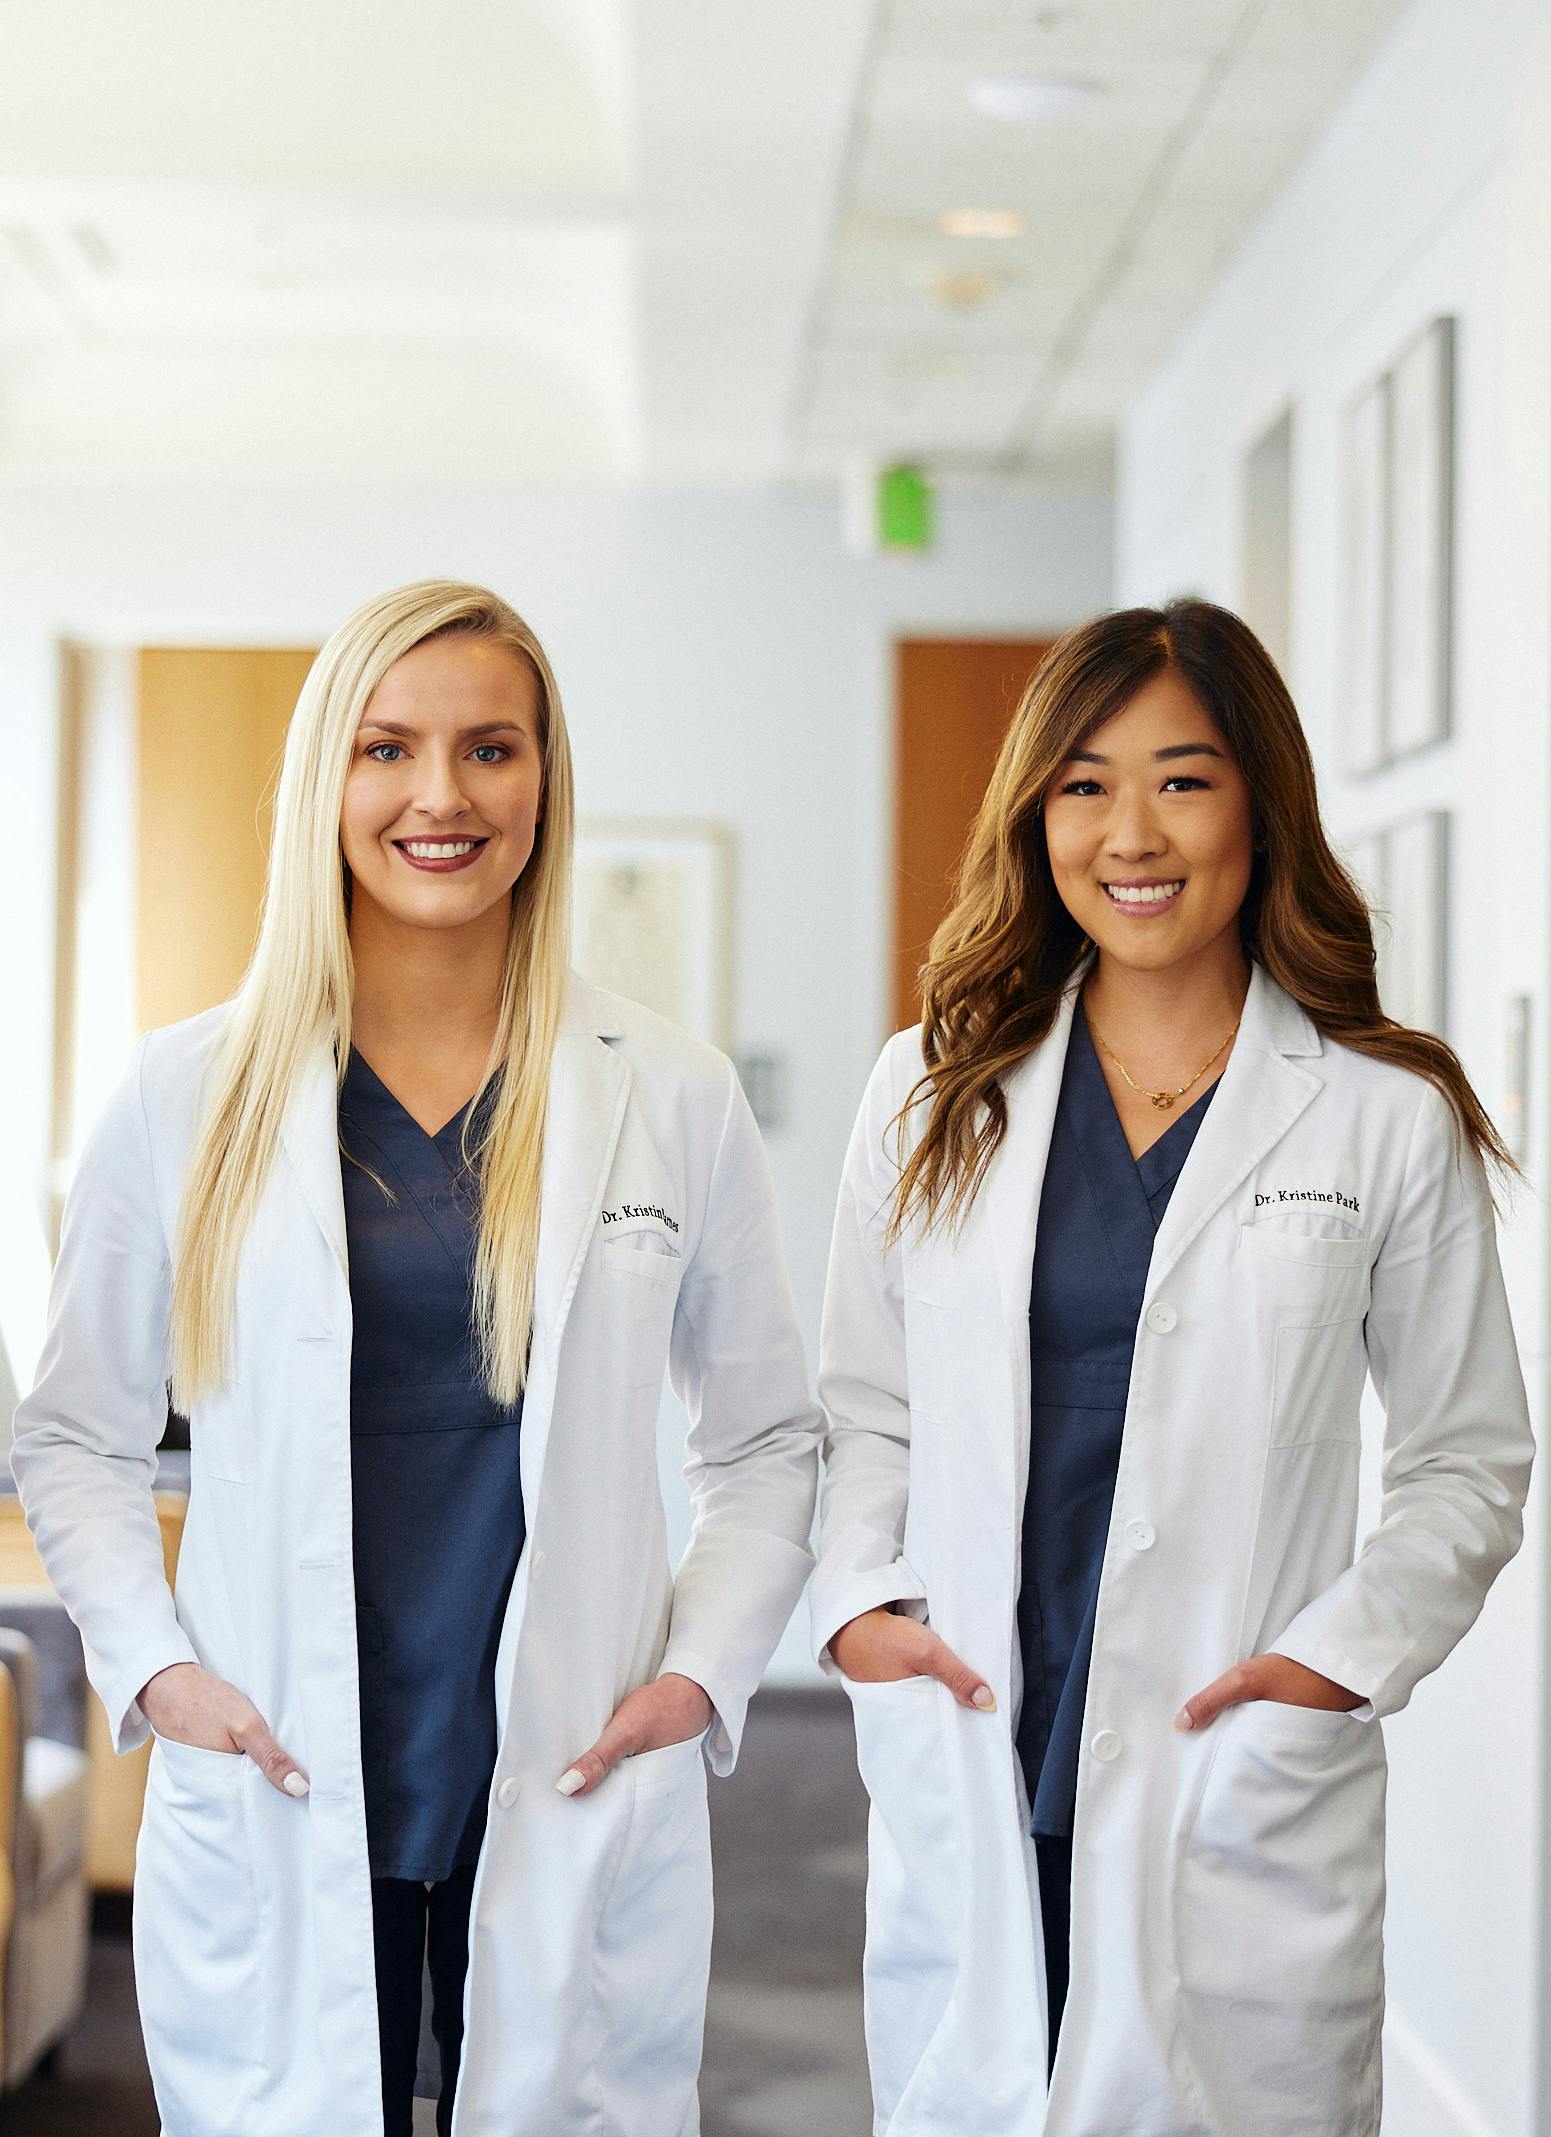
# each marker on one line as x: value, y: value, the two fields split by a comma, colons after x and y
x: 412, y: 1925
x: 1054, y: 1857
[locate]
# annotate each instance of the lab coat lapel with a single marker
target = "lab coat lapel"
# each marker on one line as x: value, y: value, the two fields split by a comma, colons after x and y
x: 1017, y: 1173
x: 1260, y: 1094
x: 589, y: 1086
x: 309, y: 1134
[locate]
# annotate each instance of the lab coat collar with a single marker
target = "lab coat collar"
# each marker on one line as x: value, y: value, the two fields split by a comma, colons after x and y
x: 1260, y: 1094
x: 588, y: 1009
x: 588, y: 1083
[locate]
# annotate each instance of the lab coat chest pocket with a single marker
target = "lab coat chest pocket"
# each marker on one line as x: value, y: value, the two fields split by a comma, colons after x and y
x: 640, y: 1276
x: 1281, y: 1901
x: 914, y: 1876
x: 198, y: 1941
x: 1309, y: 1294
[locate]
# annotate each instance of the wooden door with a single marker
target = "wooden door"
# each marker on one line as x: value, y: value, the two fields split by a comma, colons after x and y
x: 211, y: 731
x: 953, y: 700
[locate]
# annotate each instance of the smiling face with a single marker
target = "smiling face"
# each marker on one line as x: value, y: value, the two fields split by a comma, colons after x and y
x: 444, y: 793
x: 1148, y: 828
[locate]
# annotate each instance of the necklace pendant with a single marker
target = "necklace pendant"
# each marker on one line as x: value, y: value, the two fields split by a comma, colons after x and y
x: 1162, y: 1099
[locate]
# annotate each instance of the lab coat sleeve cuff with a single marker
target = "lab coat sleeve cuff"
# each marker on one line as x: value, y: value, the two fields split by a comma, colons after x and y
x: 120, y: 1689
x: 735, y: 1591
x: 836, y: 1601
x: 728, y: 1707
x: 1327, y: 1662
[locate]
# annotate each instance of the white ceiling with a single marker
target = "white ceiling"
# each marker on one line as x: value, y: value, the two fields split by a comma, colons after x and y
x: 1018, y: 354
x: 542, y: 239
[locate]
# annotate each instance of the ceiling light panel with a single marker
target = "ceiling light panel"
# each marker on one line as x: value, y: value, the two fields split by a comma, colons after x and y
x: 1134, y: 201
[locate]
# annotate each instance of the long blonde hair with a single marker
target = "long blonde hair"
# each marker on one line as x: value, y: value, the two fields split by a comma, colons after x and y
x: 1001, y: 960
x: 296, y: 998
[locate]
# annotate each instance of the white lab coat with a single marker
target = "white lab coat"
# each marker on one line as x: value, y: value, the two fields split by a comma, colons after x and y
x: 1227, y: 1890
x: 591, y: 1919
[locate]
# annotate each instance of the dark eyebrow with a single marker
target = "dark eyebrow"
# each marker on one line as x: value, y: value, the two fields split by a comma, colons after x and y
x: 1160, y: 756
x: 489, y: 727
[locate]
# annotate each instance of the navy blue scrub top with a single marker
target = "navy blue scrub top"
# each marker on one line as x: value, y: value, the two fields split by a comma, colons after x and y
x: 1099, y: 1212
x: 435, y: 1484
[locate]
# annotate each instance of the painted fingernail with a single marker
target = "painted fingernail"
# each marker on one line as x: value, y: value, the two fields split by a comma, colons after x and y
x: 571, y: 1780
x: 1183, y: 1719
x: 984, y: 1698
x: 295, y: 1784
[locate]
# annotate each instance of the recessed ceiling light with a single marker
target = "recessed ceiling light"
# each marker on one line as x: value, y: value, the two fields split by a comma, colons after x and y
x: 981, y: 222
x: 968, y: 289
x: 1025, y: 99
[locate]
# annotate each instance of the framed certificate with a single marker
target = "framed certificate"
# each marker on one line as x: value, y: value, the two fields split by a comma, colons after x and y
x: 652, y: 917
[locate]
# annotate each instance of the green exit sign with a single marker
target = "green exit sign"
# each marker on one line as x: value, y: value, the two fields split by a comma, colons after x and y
x: 904, y: 509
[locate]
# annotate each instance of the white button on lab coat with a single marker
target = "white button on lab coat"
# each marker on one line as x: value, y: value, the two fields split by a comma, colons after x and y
x: 658, y: 1249
x: 1322, y: 1229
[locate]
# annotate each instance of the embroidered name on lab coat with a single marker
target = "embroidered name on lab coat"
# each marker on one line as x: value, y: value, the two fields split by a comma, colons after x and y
x: 1329, y: 1195
x: 634, y: 1211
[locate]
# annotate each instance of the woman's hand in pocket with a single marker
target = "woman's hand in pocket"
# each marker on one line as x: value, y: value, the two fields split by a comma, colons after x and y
x: 883, y: 1647
x: 1275, y: 1677
x: 194, y: 1707
x: 673, y: 1710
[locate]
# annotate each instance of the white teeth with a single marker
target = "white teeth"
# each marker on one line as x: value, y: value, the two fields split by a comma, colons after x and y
x: 1150, y: 894
x: 423, y: 850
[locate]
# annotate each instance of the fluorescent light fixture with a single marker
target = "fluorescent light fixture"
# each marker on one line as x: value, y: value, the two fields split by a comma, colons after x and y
x: 981, y: 222
x: 1026, y: 99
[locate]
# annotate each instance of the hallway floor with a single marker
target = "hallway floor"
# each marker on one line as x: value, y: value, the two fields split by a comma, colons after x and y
x: 783, y: 2029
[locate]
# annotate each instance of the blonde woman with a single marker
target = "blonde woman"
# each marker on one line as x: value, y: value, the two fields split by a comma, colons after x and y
x: 412, y: 1227
x: 1125, y: 1227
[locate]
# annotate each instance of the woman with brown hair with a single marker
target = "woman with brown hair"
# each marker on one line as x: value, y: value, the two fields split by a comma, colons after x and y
x: 1125, y: 1226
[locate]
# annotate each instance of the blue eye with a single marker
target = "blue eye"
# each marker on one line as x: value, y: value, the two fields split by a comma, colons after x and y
x: 501, y: 752
x: 373, y: 747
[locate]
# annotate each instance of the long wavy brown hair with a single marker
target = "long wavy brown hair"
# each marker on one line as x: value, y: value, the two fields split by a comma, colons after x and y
x: 1000, y: 961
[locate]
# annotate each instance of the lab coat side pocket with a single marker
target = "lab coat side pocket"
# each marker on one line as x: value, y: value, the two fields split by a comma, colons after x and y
x: 652, y: 1947
x: 197, y: 1939
x: 914, y: 1878
x: 1280, y: 1921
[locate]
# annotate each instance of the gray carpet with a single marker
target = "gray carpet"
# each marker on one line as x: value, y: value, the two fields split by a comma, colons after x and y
x: 783, y: 2029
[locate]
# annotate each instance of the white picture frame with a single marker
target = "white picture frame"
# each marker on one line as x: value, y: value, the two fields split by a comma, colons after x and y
x: 1420, y: 514
x: 1413, y: 973
x: 1265, y: 539
x: 652, y: 917
x: 1403, y: 872
x: 1360, y: 730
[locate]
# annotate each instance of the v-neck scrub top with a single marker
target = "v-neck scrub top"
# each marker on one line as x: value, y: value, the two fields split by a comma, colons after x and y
x: 1099, y: 1212
x: 436, y: 1488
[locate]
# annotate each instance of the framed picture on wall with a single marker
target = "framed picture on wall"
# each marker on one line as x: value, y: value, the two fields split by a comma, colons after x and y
x: 1421, y: 522
x: 1403, y: 871
x: 1413, y: 974
x: 1396, y: 595
x: 1364, y: 457
x: 1365, y: 858
x: 1265, y: 539
x: 652, y: 918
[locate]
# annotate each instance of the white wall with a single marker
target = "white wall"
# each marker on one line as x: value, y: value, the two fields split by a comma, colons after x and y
x: 1431, y: 193
x: 719, y: 654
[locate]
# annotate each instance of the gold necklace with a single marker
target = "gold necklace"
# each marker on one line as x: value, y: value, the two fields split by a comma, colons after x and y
x: 1161, y: 1099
